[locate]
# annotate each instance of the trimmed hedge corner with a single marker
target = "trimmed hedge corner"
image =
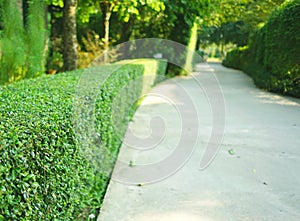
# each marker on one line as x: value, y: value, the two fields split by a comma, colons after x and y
x: 43, y: 173
x: 273, y: 54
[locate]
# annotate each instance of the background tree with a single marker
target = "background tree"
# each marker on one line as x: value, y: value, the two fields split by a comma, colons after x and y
x: 115, y: 19
x: 235, y: 21
x: 22, y: 40
x: 127, y: 12
x: 70, y: 53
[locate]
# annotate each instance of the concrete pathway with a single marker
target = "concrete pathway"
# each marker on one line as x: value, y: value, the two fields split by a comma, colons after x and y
x: 254, y: 176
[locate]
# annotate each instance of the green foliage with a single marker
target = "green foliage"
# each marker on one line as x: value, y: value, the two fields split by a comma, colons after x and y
x: 234, y: 21
x: 229, y: 32
x: 36, y: 37
x: 12, y: 43
x: 182, y: 15
x: 273, y: 55
x: 250, y: 12
x: 126, y: 9
x: 191, y: 49
x: 237, y: 58
x: 22, y: 49
x: 86, y: 9
x: 59, y: 3
x: 257, y: 13
x: 44, y: 173
x: 92, y: 47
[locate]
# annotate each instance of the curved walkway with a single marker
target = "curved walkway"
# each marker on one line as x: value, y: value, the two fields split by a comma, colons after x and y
x: 254, y: 176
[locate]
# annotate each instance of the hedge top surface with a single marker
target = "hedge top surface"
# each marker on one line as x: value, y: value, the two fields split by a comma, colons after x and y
x: 43, y: 173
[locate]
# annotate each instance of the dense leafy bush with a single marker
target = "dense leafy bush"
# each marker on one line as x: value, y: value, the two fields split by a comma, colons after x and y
x: 273, y: 57
x: 237, y: 57
x: 43, y: 173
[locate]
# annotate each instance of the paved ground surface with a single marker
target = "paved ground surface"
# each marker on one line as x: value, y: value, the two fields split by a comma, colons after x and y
x: 255, y: 175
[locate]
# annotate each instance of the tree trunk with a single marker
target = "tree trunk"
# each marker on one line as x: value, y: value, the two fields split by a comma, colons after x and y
x: 47, y: 34
x: 70, y: 53
x: 56, y: 33
x: 108, y: 10
x: 25, y: 7
x: 191, y: 48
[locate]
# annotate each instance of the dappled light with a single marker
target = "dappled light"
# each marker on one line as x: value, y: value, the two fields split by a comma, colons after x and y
x: 174, y: 216
x: 165, y: 110
x: 276, y: 99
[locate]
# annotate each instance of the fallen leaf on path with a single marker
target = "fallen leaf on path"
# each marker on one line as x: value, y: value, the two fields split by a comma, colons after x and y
x: 131, y: 163
x: 231, y: 152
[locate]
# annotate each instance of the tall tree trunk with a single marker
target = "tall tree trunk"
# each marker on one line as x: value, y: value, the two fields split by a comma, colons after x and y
x: 108, y: 10
x: 25, y: 7
x: 70, y: 53
x: 191, y: 48
x: 56, y: 32
x: 47, y: 34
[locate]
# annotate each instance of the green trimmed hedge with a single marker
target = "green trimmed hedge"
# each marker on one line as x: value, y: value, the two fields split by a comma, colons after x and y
x: 43, y: 173
x: 273, y: 54
x: 237, y: 57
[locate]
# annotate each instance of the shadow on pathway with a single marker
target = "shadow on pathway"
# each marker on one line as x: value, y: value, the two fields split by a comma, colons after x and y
x: 255, y: 175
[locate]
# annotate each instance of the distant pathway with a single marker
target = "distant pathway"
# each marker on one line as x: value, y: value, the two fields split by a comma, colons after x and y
x: 255, y: 175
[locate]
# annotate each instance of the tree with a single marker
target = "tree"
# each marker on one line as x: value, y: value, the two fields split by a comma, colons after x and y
x: 36, y: 38
x: 22, y: 40
x: 126, y: 10
x: 107, y: 8
x: 124, y: 14
x: 184, y: 17
x: 257, y: 12
x: 251, y: 12
x: 229, y: 32
x: 235, y: 20
x: 70, y: 53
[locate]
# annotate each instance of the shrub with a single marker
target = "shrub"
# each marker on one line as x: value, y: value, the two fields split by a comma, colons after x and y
x: 273, y: 58
x: 44, y: 174
x: 282, y: 49
x: 236, y: 58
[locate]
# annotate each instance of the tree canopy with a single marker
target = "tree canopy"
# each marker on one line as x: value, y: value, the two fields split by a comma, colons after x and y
x: 104, y: 23
x: 234, y: 21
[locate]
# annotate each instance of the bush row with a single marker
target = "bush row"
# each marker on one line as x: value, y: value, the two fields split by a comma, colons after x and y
x: 273, y: 55
x: 44, y: 174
